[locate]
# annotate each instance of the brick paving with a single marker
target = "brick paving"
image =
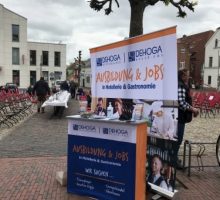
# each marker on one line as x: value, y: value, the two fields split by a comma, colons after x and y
x: 39, y: 135
x: 32, y: 152
x: 33, y: 179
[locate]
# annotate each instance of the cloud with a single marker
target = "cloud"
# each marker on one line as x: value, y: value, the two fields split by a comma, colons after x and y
x: 73, y: 22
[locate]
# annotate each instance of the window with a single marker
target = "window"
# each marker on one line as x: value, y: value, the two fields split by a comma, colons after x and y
x: 15, y: 33
x: 33, y: 77
x: 15, y: 56
x: 216, y: 43
x: 209, y: 80
x: 45, y: 58
x: 32, y: 57
x: 182, y: 65
x: 210, y: 61
x: 57, y: 58
x: 183, y: 50
x: 88, y: 79
x: 16, y: 77
x: 57, y: 75
x: 45, y: 75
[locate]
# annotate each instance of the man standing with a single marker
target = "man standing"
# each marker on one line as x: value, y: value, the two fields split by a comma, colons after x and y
x: 42, y: 89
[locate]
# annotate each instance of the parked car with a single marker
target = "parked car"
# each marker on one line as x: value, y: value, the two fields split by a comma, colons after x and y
x: 56, y: 87
x: 11, y: 86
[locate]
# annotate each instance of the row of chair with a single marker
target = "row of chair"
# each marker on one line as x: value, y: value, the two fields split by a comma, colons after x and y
x: 14, y: 106
x: 207, y: 102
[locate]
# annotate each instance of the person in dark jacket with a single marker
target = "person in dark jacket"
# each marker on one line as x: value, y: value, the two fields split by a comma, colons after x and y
x: 64, y: 86
x: 30, y: 89
x: 41, y: 89
x: 185, y: 110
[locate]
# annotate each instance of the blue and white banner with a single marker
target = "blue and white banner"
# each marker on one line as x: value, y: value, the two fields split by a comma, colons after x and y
x: 101, y: 160
x: 137, y: 68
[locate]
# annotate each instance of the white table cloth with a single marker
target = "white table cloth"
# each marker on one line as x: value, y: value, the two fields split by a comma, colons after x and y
x: 59, y: 99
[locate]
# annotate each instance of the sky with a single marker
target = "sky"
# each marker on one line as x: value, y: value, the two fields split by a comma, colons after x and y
x: 75, y: 24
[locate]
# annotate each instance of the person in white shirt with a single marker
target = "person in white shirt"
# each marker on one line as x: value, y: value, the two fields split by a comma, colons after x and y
x: 163, y: 124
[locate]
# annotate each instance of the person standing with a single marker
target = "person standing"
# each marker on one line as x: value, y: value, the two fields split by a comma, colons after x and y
x: 72, y: 89
x: 64, y: 86
x: 185, y: 109
x: 41, y: 89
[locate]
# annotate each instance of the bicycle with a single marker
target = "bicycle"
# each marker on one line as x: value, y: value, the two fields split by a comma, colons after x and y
x: 218, y: 150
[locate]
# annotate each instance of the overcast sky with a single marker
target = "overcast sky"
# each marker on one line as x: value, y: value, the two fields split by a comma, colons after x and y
x: 74, y: 23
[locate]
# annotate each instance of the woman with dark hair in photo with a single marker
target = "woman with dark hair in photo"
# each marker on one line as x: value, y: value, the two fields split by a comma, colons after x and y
x: 118, y: 108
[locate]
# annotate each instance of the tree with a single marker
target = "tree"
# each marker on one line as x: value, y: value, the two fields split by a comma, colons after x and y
x: 137, y: 10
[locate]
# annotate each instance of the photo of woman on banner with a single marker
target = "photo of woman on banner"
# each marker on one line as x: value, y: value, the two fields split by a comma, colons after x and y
x: 163, y: 124
x: 100, y: 110
x: 118, y: 108
x: 155, y: 174
x: 122, y: 109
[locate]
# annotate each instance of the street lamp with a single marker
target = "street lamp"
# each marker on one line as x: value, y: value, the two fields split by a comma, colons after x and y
x: 41, y: 64
x: 79, y: 67
x: 218, y: 80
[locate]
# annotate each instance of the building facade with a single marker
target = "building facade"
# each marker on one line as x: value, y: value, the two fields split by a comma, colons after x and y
x: 191, y: 55
x: 23, y: 62
x: 212, y: 61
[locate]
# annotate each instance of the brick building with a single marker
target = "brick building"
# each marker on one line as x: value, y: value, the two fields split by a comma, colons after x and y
x: 191, y: 54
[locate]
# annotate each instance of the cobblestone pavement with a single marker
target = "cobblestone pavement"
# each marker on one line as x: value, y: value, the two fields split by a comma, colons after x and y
x: 39, y: 135
x: 32, y: 152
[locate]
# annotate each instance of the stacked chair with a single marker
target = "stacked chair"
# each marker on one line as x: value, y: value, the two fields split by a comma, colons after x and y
x: 14, y: 106
x: 207, y: 102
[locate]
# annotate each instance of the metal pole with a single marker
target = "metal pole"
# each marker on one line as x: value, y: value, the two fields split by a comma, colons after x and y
x: 218, y: 81
x: 41, y: 63
x: 79, y: 69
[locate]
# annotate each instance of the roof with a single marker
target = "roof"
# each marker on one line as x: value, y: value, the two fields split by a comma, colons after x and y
x: 13, y: 12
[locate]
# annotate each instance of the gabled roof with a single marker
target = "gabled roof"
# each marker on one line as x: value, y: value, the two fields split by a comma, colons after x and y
x: 12, y: 12
x: 197, y: 35
x: 213, y: 36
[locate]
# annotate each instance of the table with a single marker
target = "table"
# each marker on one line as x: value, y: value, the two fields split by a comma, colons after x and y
x: 107, y: 158
x: 59, y: 101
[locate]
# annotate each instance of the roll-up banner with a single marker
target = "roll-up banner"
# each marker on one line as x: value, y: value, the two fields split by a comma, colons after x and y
x: 143, y: 67
x: 138, y: 74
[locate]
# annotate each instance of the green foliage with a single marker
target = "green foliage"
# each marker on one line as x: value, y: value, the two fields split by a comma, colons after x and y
x: 166, y: 2
x: 98, y: 5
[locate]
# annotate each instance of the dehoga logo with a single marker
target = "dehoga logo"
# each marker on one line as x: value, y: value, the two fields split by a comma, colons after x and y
x: 132, y: 55
x: 113, y: 131
x: 107, y: 59
x: 78, y: 127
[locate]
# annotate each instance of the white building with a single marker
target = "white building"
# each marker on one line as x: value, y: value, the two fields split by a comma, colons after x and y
x: 23, y: 62
x: 212, y: 61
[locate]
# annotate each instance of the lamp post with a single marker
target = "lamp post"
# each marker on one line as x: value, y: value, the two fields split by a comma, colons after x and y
x: 79, y: 67
x: 41, y: 64
x: 218, y: 81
